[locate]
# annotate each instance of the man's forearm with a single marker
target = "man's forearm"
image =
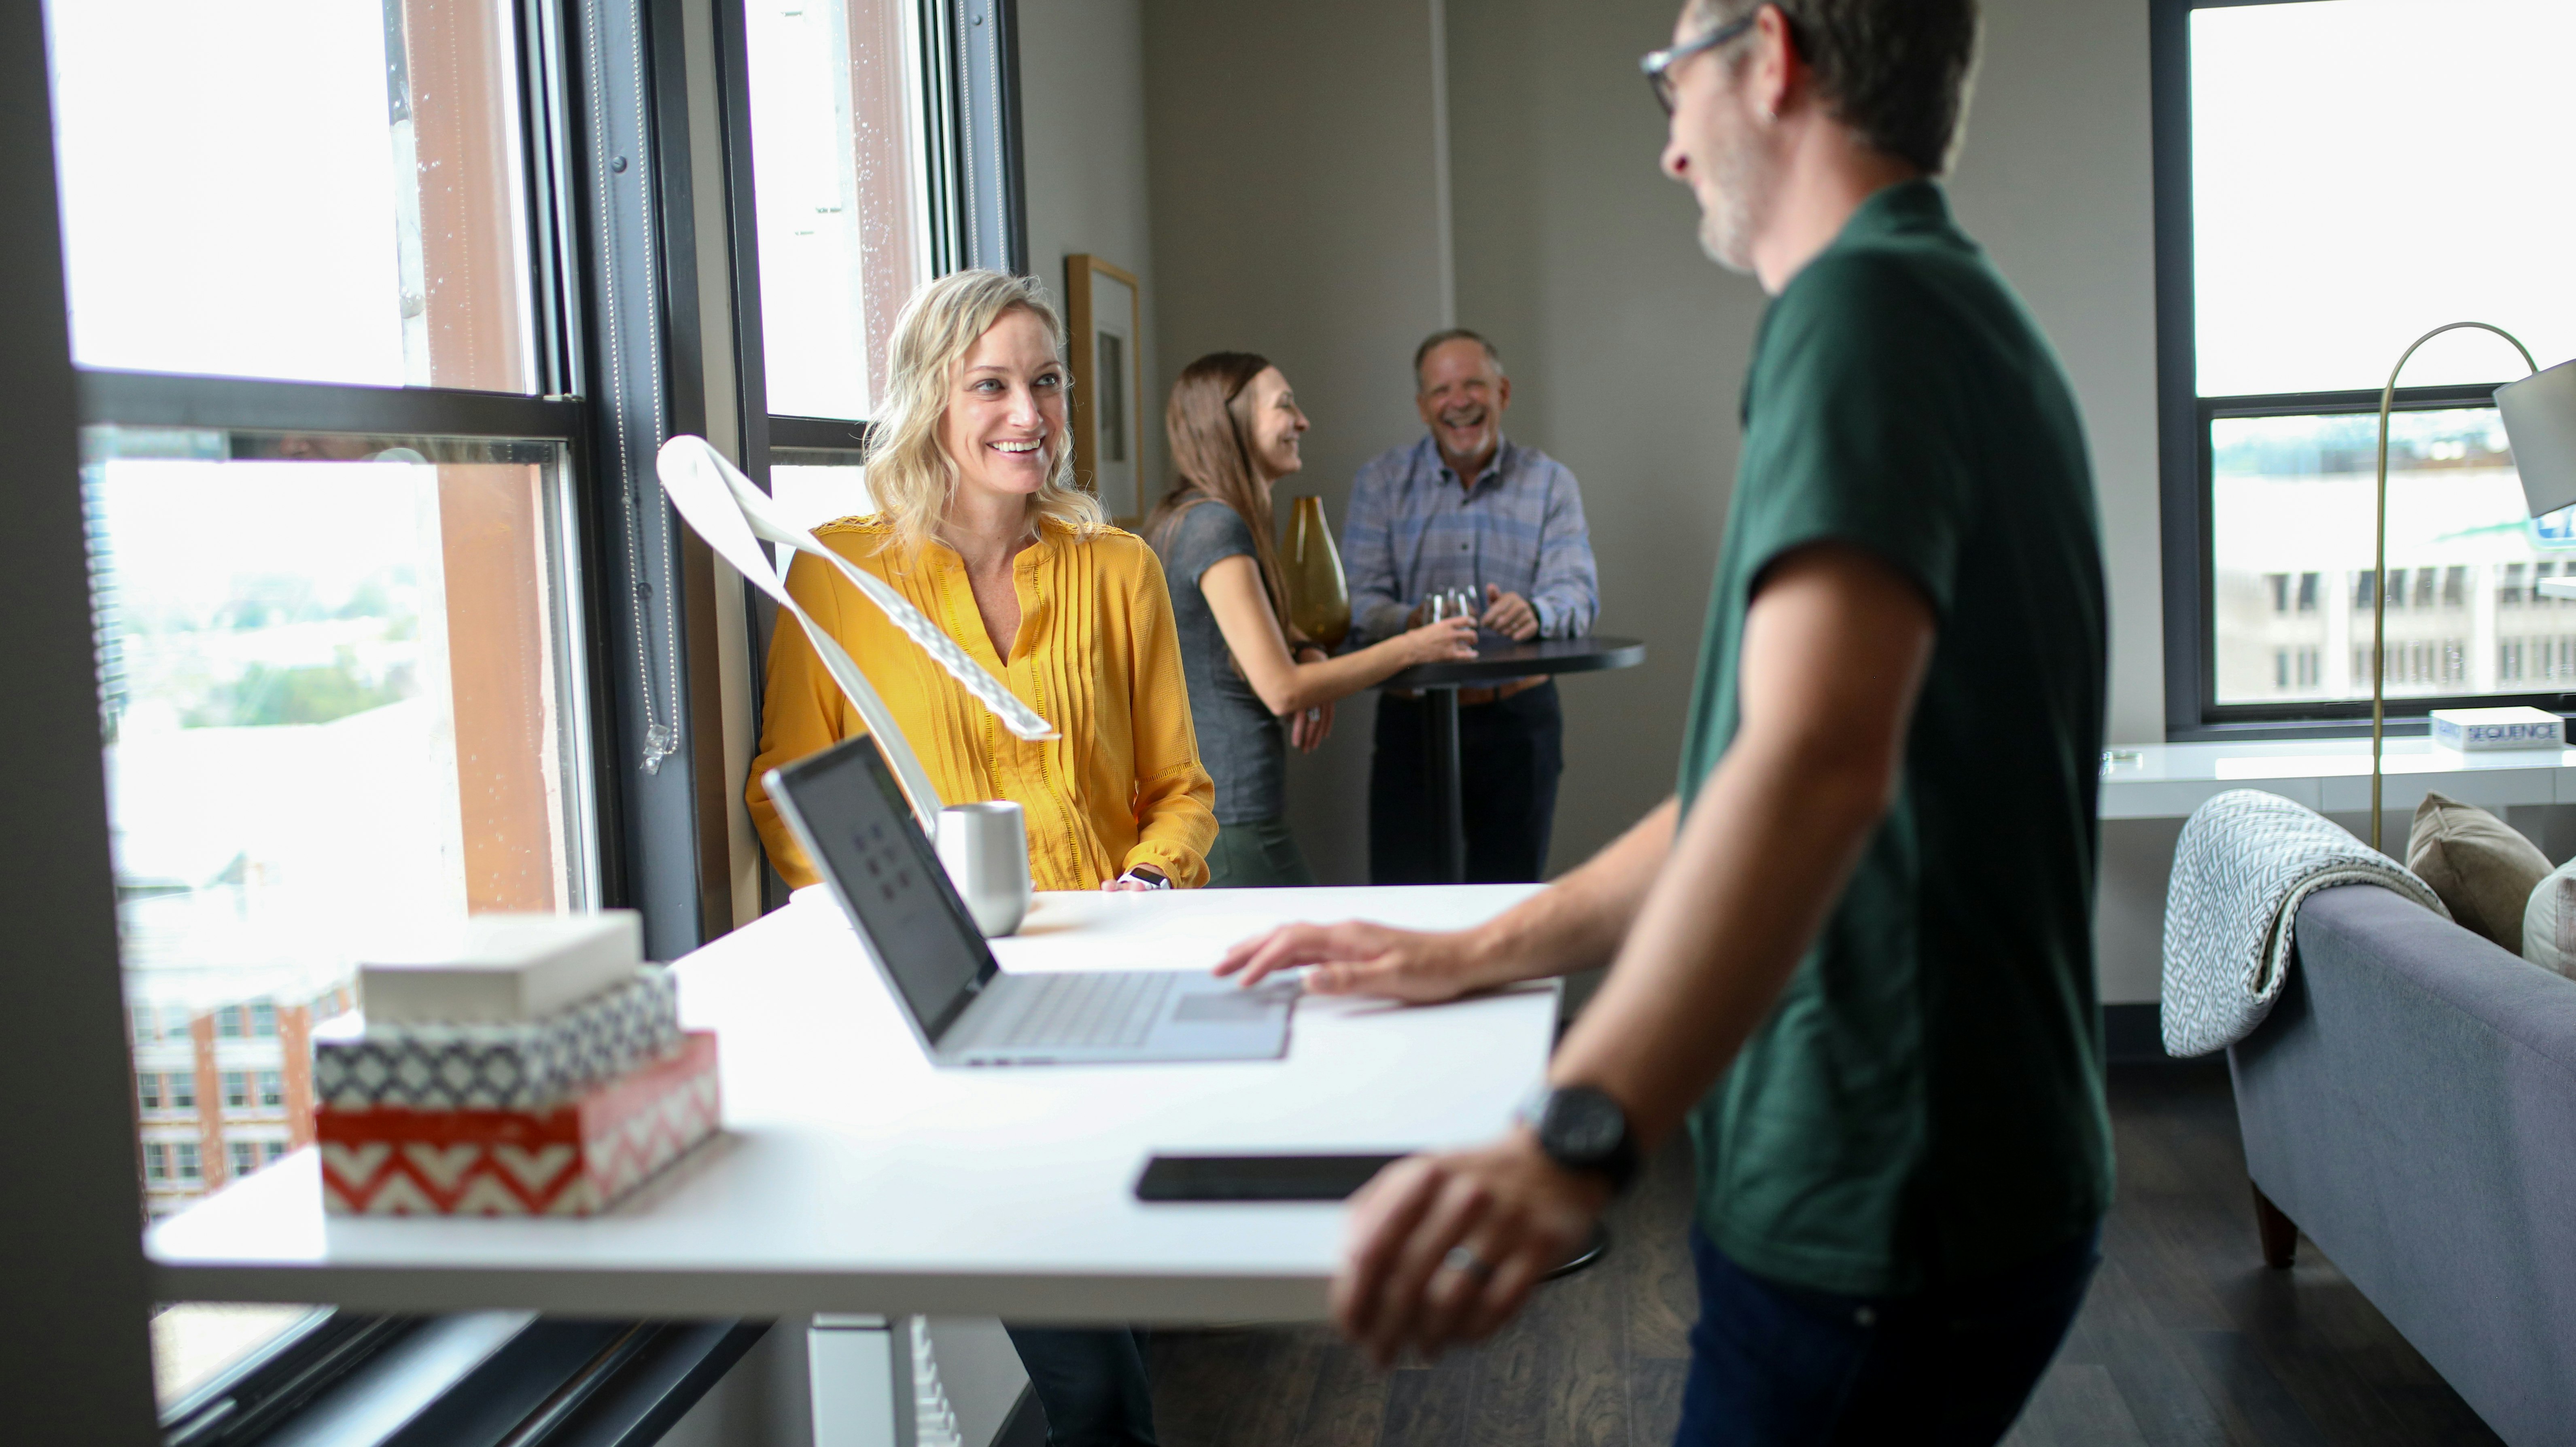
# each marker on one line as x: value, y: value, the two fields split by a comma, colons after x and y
x: 1577, y: 923
x: 1767, y: 849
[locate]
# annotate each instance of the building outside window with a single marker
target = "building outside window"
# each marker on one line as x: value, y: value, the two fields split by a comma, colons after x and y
x: 156, y: 1162
x: 182, y: 1089
x: 245, y: 1159
x: 263, y: 1020
x: 2282, y: 113
x: 272, y: 1090
x: 186, y: 1154
x: 147, y: 1089
x: 236, y: 1090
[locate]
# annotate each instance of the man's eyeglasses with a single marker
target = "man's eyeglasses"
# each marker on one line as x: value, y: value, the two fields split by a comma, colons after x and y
x: 1658, y: 64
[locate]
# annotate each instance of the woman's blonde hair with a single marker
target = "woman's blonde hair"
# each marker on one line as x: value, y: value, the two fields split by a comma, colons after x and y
x: 910, y: 475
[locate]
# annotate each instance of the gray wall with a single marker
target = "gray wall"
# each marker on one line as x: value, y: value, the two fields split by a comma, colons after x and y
x: 1295, y: 210
x: 1305, y: 176
x: 1626, y: 348
x: 1298, y: 212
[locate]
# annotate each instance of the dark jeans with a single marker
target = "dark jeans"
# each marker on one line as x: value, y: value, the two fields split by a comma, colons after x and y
x: 1774, y: 1364
x: 1091, y: 1383
x: 1257, y: 854
x: 1510, y: 753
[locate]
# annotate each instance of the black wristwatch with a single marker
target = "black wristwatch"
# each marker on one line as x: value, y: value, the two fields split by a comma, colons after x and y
x: 1583, y: 1130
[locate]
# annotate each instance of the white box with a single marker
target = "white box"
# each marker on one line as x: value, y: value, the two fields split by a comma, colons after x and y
x: 2476, y: 730
x: 502, y: 969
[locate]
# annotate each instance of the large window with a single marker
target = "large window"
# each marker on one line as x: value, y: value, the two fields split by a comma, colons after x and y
x: 839, y: 107
x: 320, y: 190
x: 2331, y: 184
x: 324, y: 303
x: 880, y: 137
x: 382, y: 308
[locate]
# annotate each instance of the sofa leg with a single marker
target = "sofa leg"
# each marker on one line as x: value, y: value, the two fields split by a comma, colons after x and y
x: 2280, y: 1234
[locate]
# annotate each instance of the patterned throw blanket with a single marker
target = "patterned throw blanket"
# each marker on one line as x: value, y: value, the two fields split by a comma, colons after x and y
x: 2245, y: 861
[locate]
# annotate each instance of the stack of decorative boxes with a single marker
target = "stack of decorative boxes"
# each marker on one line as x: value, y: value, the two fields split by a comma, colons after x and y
x: 530, y: 1065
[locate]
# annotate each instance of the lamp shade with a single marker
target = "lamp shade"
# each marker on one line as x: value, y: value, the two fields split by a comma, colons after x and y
x: 2540, y: 420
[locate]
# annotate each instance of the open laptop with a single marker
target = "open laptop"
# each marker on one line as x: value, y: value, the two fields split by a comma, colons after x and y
x: 851, y: 817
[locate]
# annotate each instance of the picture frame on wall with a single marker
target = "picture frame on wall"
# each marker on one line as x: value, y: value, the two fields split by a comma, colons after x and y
x: 1104, y: 317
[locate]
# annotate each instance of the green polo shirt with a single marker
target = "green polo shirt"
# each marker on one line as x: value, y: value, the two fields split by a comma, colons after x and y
x: 1925, y: 1103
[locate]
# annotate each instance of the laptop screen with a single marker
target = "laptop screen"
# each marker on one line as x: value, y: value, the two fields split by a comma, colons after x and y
x: 851, y: 814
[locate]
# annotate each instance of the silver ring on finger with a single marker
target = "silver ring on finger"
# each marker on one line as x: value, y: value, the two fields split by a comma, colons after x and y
x: 1467, y: 1263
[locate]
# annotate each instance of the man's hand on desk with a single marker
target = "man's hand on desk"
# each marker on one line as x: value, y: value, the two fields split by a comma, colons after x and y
x: 1357, y: 958
x: 1509, y: 614
x: 1445, y: 1248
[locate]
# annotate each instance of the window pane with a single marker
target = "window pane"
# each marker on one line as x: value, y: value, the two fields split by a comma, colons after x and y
x: 814, y: 488
x: 840, y: 193
x: 2293, y: 584
x: 194, y: 1342
x: 322, y: 190
x: 300, y: 639
x: 2366, y: 170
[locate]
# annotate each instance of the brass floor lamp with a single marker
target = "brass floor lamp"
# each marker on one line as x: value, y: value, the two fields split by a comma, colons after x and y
x: 2539, y: 415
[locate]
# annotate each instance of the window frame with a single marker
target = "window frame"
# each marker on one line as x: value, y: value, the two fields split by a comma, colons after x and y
x: 2186, y: 465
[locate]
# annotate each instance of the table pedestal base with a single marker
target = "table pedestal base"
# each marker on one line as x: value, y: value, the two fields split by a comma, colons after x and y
x: 1447, y: 799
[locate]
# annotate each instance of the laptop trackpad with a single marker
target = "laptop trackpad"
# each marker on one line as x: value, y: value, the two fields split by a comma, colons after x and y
x: 1225, y: 1007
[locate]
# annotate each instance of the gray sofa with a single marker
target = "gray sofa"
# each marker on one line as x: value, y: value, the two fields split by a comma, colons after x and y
x: 2411, y: 1105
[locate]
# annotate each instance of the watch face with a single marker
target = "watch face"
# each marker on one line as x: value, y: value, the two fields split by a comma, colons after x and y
x: 1584, y: 1124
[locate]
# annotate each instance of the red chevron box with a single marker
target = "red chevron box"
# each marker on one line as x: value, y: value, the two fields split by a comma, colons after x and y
x: 572, y: 1159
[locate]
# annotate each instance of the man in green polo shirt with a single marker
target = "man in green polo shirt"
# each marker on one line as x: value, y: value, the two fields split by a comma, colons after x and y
x: 1854, y: 953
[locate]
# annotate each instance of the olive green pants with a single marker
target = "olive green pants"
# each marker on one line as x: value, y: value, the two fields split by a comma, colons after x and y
x: 1258, y: 854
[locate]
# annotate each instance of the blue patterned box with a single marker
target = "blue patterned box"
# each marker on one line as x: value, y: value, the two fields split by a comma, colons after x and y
x: 498, y: 1067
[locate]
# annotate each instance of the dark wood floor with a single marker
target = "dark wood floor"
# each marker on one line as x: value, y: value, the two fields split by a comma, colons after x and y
x: 2184, y: 1339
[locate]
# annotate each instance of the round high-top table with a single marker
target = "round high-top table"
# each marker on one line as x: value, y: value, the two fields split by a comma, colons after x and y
x: 1497, y: 660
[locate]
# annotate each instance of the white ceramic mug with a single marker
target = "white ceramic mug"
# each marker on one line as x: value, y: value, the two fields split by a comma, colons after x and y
x: 985, y: 848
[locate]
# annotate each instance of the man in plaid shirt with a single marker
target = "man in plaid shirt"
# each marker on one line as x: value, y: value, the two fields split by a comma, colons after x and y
x: 1463, y: 508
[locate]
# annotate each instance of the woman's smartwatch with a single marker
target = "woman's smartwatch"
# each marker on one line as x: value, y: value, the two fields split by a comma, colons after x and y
x: 1146, y: 875
x: 1583, y: 1130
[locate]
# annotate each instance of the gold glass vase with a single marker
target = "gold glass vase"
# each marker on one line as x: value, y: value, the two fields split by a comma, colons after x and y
x: 1319, y: 597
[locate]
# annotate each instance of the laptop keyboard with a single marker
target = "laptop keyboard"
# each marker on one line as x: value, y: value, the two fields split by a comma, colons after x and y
x: 1085, y: 1011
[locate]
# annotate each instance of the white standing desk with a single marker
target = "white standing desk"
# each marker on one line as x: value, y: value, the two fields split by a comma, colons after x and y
x: 2331, y: 776
x: 853, y: 1177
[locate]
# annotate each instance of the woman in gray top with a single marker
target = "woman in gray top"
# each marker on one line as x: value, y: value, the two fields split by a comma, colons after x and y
x: 1234, y: 426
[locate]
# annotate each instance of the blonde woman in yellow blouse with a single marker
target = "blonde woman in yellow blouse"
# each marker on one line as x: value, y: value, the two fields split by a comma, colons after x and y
x: 981, y: 528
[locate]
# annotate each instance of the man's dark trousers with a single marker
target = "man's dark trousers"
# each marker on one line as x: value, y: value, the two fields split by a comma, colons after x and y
x: 1510, y: 753
x: 1779, y: 1366
x: 1090, y: 1383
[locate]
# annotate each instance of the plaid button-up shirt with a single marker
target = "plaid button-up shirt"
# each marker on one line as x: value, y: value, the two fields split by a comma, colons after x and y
x: 1413, y: 530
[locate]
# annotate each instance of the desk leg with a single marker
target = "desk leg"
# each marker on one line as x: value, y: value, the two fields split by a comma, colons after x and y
x: 1447, y: 803
x: 861, y: 1378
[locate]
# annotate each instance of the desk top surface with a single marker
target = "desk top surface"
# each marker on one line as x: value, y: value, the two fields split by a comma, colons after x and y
x: 852, y: 1176
x: 1500, y: 660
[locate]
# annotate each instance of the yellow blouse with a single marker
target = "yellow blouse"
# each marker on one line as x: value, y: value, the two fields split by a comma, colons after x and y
x: 1097, y: 656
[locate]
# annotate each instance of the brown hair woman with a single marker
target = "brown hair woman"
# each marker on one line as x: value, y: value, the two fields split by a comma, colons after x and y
x: 1234, y: 428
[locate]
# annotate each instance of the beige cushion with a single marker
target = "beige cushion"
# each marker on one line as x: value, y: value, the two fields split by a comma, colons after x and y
x: 2483, y: 870
x: 2549, y: 922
